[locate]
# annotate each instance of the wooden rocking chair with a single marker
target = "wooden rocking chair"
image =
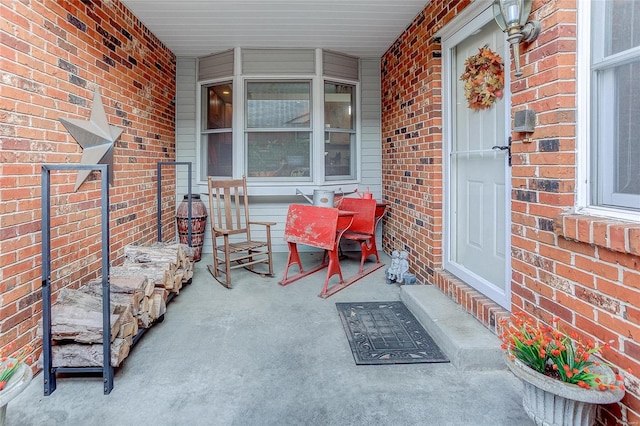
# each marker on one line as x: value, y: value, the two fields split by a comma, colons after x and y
x: 233, y: 246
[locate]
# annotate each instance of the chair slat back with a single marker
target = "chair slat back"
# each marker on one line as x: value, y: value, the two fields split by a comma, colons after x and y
x: 229, y: 205
x: 364, y: 220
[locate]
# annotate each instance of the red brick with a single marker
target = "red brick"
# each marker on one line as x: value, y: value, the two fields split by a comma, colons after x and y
x: 596, y: 331
x: 573, y: 274
x: 33, y: 99
x: 597, y: 267
x: 632, y: 279
x: 634, y: 241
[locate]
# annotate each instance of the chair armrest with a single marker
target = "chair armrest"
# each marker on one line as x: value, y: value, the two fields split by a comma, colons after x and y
x: 263, y: 223
x: 221, y: 231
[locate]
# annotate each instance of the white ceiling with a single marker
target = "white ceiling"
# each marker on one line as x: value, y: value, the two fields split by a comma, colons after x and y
x: 363, y: 28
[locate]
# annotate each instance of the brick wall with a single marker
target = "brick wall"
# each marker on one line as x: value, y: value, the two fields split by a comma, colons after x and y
x: 54, y: 54
x: 581, y: 269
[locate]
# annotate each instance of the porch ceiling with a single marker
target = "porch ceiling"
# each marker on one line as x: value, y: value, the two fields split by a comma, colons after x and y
x: 364, y: 28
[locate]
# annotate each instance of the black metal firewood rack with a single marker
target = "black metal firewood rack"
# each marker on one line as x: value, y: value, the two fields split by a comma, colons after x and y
x: 49, y: 371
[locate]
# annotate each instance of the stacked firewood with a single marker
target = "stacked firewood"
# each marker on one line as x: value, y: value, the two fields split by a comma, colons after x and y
x: 139, y: 292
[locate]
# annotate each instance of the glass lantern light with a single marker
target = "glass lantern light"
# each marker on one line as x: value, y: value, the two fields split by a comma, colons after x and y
x: 511, y: 16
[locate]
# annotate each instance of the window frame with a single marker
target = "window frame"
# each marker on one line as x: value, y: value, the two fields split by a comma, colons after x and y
x: 203, y: 130
x: 589, y: 118
x: 352, y: 132
x: 246, y: 130
x: 285, y: 185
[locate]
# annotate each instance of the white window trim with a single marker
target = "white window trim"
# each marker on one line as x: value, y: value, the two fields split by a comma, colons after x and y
x: 199, y: 131
x: 583, y: 125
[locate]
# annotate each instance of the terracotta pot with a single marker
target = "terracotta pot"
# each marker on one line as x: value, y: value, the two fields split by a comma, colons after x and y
x: 551, y: 402
x: 198, y: 223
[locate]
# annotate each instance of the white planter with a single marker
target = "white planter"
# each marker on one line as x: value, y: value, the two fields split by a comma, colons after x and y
x: 551, y: 402
x: 16, y: 384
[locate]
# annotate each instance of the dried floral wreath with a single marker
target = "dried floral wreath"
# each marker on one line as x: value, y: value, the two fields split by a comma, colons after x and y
x: 484, y: 78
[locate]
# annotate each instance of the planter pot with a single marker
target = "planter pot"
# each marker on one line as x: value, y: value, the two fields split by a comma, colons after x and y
x: 198, y: 223
x: 16, y: 384
x: 551, y: 402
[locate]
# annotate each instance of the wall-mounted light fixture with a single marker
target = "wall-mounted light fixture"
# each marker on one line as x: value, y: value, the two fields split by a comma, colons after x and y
x: 511, y: 16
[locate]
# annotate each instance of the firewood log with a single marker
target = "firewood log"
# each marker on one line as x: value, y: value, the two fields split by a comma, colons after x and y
x: 78, y: 316
x: 140, y: 254
x: 79, y: 355
x: 158, y: 305
x: 160, y: 273
x: 125, y: 290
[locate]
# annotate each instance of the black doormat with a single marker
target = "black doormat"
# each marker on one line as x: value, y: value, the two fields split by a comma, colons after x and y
x: 387, y: 333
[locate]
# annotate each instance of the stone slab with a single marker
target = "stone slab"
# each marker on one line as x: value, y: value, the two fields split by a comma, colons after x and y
x: 468, y: 344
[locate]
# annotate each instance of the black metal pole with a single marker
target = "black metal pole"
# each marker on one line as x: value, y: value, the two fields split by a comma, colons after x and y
x: 49, y: 374
x: 107, y: 370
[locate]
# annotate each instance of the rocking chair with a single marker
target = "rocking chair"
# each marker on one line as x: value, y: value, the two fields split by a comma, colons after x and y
x: 233, y: 246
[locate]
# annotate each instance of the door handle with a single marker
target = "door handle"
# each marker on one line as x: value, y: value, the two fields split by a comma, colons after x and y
x: 505, y: 148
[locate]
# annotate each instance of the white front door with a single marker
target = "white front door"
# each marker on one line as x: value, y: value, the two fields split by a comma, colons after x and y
x: 477, y: 176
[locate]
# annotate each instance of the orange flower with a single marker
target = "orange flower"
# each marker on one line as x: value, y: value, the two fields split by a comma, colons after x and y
x: 9, y: 367
x: 544, y: 348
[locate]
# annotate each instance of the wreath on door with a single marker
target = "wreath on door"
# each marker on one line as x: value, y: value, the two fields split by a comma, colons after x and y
x: 483, y: 78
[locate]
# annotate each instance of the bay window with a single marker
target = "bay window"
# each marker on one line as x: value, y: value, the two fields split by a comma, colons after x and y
x: 282, y: 117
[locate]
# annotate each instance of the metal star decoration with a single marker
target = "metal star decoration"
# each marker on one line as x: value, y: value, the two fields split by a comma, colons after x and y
x: 96, y: 137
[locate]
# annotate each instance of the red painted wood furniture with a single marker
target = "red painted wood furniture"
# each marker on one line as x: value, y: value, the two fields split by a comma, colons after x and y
x: 363, y: 229
x: 320, y: 227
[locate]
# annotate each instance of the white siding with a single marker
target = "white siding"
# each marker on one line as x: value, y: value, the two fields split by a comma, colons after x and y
x: 371, y: 131
x: 338, y: 65
x: 278, y: 61
x: 214, y: 66
x: 263, y: 208
x: 185, y: 124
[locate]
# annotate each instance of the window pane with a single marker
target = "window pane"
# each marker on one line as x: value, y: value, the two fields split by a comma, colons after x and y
x: 278, y: 154
x: 623, y: 22
x: 338, y: 106
x: 219, y: 107
x: 616, y: 137
x: 278, y: 105
x: 338, y: 154
x: 627, y: 140
x: 219, y: 158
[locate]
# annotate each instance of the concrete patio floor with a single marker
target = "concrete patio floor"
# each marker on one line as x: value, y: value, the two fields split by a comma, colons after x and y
x: 262, y: 354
